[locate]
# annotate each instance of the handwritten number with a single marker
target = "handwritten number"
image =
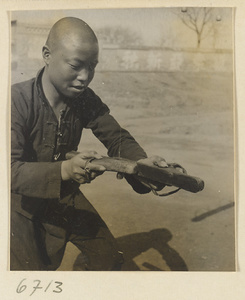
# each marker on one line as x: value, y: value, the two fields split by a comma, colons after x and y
x: 58, y: 287
x: 48, y: 286
x: 20, y: 287
x: 36, y: 287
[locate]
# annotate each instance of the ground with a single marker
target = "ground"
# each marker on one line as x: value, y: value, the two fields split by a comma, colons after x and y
x: 186, y: 118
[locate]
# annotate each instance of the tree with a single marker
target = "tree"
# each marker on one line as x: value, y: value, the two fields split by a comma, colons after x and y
x: 199, y: 19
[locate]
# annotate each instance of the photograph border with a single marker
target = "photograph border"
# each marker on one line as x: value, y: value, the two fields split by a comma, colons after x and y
x: 128, y: 285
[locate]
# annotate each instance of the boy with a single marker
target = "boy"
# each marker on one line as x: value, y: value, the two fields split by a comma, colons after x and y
x: 48, y: 115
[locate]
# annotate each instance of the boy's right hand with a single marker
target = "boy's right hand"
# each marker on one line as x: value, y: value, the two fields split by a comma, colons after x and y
x: 76, y: 167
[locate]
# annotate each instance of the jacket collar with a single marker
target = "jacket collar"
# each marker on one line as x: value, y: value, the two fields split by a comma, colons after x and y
x: 40, y: 92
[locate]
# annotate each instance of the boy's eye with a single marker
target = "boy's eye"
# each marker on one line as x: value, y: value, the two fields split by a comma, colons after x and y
x: 91, y: 66
x: 74, y: 67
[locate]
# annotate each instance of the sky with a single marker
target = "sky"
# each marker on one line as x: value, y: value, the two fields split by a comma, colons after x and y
x: 154, y: 25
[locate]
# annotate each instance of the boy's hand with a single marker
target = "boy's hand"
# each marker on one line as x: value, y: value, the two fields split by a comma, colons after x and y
x: 155, y: 161
x: 76, y: 167
x: 153, y: 185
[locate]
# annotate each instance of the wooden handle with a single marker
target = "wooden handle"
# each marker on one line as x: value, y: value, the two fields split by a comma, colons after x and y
x: 145, y: 168
x: 170, y: 176
x: 114, y: 164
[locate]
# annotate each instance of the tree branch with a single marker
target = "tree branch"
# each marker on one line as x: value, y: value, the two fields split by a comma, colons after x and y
x: 197, y: 19
x: 188, y: 25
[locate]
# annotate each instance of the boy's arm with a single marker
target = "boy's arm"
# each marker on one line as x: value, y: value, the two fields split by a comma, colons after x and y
x: 119, y: 143
x: 32, y: 179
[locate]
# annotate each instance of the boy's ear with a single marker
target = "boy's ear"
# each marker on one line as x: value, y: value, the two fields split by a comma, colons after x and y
x: 46, y: 54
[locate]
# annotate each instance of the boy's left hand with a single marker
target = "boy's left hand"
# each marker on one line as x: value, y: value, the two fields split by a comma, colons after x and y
x: 155, y: 161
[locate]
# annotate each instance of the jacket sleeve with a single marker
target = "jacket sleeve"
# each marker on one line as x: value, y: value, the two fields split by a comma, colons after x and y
x: 28, y: 178
x: 118, y: 141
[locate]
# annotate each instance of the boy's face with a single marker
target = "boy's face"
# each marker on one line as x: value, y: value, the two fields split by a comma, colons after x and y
x: 71, y: 67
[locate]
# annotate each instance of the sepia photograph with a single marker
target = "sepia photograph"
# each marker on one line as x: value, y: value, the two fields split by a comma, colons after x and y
x: 122, y: 140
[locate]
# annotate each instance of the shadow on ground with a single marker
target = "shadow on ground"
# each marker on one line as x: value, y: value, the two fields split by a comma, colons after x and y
x: 213, y: 212
x: 160, y: 257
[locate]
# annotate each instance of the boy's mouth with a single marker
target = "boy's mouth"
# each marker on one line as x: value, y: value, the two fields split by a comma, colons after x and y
x: 79, y: 87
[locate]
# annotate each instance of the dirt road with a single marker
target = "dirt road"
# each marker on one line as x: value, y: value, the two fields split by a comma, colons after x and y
x: 186, y: 118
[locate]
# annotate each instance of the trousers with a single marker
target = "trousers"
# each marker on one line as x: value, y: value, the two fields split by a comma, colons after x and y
x: 38, y: 243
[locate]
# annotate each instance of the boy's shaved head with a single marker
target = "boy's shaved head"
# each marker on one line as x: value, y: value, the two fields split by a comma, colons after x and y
x: 70, y: 56
x: 70, y: 30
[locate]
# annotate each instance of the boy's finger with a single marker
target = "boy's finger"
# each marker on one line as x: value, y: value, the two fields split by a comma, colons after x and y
x: 90, y: 154
x: 161, y: 164
x: 94, y: 167
x: 120, y: 175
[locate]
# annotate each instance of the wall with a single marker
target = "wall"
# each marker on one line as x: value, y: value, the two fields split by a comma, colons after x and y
x: 165, y: 60
x: 26, y: 58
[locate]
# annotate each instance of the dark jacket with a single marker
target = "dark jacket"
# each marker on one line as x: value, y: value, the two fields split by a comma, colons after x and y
x: 39, y: 143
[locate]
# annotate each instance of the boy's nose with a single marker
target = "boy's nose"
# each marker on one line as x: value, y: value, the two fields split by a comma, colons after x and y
x: 83, y: 75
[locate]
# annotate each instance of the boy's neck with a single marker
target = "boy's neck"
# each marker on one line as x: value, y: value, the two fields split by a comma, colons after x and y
x: 54, y: 99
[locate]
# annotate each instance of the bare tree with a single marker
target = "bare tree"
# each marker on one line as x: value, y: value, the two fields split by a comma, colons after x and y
x: 199, y: 19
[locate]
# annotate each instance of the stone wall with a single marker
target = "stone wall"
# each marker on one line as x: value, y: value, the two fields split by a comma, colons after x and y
x: 27, y: 42
x: 165, y: 60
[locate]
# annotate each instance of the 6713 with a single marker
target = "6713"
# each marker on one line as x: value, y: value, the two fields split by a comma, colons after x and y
x: 34, y: 285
